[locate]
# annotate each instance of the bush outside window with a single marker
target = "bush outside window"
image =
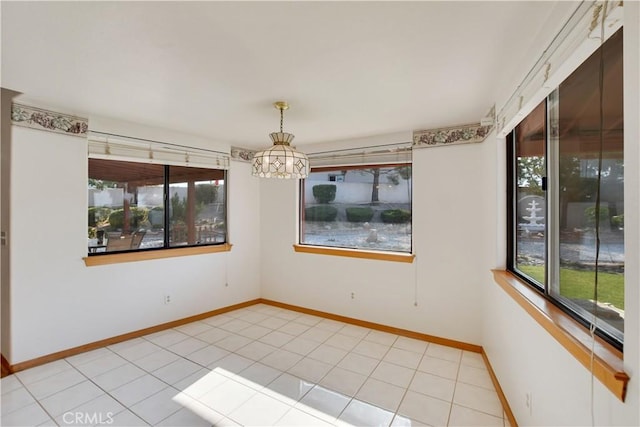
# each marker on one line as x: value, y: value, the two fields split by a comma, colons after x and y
x: 365, y: 207
x: 129, y: 202
x: 566, y: 211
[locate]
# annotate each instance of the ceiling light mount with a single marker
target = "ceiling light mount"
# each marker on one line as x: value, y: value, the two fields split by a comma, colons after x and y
x: 281, y: 105
x: 281, y: 160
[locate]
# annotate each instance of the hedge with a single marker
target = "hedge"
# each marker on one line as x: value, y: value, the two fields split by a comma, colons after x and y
x: 137, y: 216
x: 97, y: 215
x: 320, y: 213
x: 359, y: 214
x: 618, y: 220
x: 324, y: 193
x: 590, y: 216
x: 395, y: 216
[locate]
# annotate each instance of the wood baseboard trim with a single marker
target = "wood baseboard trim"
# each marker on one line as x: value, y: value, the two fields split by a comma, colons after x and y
x: 119, y: 338
x: 6, y: 368
x: 501, y: 396
x: 377, y: 326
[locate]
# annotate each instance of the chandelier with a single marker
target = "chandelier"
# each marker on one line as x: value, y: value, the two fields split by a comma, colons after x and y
x: 281, y: 160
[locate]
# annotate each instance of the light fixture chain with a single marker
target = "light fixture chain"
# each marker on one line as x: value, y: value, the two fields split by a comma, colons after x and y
x: 281, y: 118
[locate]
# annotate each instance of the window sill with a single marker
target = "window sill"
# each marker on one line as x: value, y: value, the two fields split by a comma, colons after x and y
x: 117, y: 258
x: 355, y: 253
x: 608, y: 364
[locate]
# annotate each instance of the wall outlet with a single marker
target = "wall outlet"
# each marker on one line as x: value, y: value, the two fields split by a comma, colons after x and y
x: 529, y: 402
x: 353, y: 295
x: 167, y: 299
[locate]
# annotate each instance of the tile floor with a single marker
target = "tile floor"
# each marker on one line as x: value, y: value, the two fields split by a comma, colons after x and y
x: 259, y: 365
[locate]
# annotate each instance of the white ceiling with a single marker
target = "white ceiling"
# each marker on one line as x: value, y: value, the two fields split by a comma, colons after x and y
x: 348, y: 69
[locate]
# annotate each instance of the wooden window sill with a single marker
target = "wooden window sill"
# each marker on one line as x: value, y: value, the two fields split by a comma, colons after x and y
x: 608, y: 364
x: 355, y: 253
x: 117, y: 258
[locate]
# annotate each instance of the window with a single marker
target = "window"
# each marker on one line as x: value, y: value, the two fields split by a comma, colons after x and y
x: 364, y: 207
x: 139, y: 206
x: 566, y: 206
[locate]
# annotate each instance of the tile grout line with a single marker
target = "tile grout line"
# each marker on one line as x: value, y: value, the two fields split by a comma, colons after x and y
x: 236, y: 333
x: 126, y: 407
x: 406, y: 390
x: 455, y: 386
x: 288, y: 319
x: 473, y: 385
x: 105, y: 392
x: 335, y: 365
x: 37, y: 401
x: 228, y: 416
x: 368, y: 376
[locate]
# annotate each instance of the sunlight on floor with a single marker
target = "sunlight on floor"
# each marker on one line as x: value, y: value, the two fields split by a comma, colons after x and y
x: 255, y: 404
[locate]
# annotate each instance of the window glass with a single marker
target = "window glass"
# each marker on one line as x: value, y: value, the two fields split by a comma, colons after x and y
x: 197, y: 213
x: 587, y: 163
x: 530, y: 203
x: 366, y: 207
x: 128, y: 202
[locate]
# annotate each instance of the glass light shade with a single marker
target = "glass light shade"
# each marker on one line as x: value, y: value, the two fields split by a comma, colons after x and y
x: 280, y: 160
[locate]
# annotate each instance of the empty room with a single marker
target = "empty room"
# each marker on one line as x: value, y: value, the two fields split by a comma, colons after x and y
x: 320, y: 213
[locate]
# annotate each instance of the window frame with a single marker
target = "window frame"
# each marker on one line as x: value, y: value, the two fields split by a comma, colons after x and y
x: 170, y: 251
x: 351, y: 252
x: 552, y: 160
x: 512, y: 184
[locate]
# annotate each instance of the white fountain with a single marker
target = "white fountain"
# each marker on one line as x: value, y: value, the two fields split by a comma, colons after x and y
x: 533, y: 218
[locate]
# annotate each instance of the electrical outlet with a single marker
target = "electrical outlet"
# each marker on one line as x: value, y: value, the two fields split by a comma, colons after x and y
x: 167, y: 299
x: 529, y: 402
x: 353, y: 295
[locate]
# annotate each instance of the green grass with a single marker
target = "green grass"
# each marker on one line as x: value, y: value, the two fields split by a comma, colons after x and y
x: 578, y: 284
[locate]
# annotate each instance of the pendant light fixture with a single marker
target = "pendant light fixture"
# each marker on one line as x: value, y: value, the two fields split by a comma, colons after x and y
x: 281, y: 160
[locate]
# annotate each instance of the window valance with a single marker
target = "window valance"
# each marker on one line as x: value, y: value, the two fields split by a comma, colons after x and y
x: 372, y: 155
x: 574, y: 43
x: 118, y: 147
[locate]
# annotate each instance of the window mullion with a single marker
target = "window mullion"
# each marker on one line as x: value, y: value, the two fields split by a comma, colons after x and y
x: 167, y: 205
x: 552, y: 195
x: 511, y: 198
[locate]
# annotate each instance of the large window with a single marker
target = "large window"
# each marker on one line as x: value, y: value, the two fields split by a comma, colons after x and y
x: 137, y: 206
x: 566, y: 205
x: 364, y: 207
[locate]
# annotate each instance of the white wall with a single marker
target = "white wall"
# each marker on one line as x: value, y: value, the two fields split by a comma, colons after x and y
x: 450, y: 240
x: 5, y: 214
x: 527, y: 359
x: 58, y: 303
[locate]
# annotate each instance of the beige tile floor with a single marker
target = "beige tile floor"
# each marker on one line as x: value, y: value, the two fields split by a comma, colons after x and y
x: 259, y: 365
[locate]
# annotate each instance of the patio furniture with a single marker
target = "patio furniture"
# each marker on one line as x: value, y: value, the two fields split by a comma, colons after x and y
x: 119, y: 243
x: 137, y: 239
